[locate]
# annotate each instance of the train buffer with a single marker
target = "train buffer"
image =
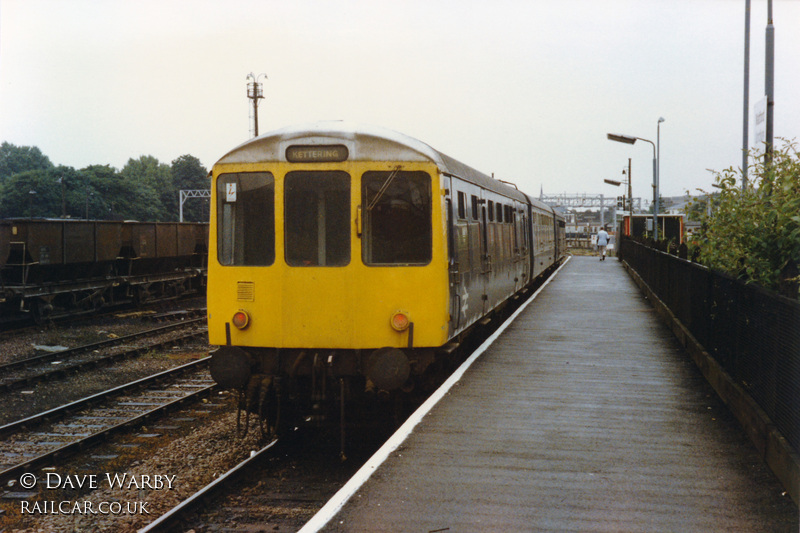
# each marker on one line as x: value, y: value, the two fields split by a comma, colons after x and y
x: 584, y: 415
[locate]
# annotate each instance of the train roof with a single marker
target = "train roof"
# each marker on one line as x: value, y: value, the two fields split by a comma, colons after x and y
x: 364, y: 143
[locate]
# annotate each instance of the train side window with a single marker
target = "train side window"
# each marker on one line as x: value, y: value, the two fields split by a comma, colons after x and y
x: 462, y: 205
x: 491, y: 211
x: 246, y: 219
x: 317, y: 218
x: 475, y: 207
x: 396, y: 211
x: 499, y: 212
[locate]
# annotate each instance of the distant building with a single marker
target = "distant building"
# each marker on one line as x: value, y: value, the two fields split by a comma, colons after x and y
x: 670, y: 227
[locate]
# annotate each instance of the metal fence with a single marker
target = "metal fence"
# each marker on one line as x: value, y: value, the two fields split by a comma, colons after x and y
x: 752, y: 333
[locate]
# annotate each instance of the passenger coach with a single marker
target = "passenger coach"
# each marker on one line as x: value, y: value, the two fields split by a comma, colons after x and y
x: 359, y: 255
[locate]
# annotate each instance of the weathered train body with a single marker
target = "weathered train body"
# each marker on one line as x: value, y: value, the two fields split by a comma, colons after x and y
x: 62, y: 266
x: 360, y: 258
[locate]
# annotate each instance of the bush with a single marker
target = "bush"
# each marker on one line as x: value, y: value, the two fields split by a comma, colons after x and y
x: 754, y: 233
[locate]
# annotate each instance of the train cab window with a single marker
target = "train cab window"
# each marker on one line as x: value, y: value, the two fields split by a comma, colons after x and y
x: 462, y: 205
x: 317, y: 218
x: 396, y: 211
x: 475, y: 207
x: 246, y: 219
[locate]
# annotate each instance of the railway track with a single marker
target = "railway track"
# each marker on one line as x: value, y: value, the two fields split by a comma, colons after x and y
x: 174, y: 519
x: 279, y: 488
x: 190, y: 306
x: 38, y: 440
x: 50, y: 365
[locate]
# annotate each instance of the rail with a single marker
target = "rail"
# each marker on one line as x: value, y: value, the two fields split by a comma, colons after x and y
x: 171, y: 520
x: 81, y: 443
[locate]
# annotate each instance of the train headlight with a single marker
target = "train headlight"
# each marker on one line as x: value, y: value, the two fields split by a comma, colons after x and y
x: 241, y: 319
x: 400, y: 321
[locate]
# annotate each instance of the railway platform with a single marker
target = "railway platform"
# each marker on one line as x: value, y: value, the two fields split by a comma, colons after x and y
x: 584, y: 415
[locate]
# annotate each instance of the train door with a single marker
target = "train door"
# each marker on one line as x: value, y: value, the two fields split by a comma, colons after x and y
x: 486, y: 258
x: 530, y: 230
x: 466, y: 243
x: 455, y: 276
x: 520, y: 272
x: 525, y: 254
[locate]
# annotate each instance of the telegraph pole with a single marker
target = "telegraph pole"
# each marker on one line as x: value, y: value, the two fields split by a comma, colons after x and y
x: 255, y: 93
x: 746, y: 118
x: 769, y: 83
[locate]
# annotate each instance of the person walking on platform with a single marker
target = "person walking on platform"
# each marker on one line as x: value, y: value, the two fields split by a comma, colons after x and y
x: 602, y: 242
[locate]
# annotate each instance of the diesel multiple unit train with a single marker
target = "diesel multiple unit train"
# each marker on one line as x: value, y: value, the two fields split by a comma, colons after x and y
x: 50, y: 267
x: 348, y: 260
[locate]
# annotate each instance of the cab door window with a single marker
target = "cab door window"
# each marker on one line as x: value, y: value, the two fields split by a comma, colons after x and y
x: 246, y: 219
x: 396, y: 211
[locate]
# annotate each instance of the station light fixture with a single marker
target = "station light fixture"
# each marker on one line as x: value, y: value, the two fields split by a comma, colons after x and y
x: 621, y: 138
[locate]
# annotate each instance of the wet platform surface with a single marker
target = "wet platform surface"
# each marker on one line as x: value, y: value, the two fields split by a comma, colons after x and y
x: 585, y: 415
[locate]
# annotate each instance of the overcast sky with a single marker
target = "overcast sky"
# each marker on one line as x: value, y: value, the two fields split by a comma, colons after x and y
x: 526, y: 90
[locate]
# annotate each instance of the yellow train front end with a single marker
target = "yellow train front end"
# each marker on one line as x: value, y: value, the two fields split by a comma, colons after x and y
x: 327, y: 263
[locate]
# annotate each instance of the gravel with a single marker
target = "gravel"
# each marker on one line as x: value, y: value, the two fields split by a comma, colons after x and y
x: 195, y: 458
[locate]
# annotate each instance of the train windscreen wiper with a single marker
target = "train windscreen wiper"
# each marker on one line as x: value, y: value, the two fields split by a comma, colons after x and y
x: 383, y: 188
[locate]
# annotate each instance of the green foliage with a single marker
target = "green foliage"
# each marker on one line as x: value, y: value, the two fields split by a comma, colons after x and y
x: 144, y: 189
x: 151, y: 182
x: 111, y: 196
x: 46, y: 193
x: 754, y: 233
x: 16, y: 159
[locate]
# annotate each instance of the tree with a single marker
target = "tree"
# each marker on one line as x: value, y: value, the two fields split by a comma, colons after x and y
x: 154, y: 192
x: 754, y: 233
x: 115, y: 195
x: 16, y: 159
x: 144, y: 189
x: 189, y: 174
x: 29, y: 194
x: 50, y: 193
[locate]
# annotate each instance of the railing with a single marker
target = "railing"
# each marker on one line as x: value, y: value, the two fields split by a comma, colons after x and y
x: 752, y: 333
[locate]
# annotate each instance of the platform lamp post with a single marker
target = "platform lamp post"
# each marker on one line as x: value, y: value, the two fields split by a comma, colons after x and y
x: 63, y: 202
x: 630, y: 194
x: 627, y: 139
x: 658, y: 172
x: 31, y: 194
